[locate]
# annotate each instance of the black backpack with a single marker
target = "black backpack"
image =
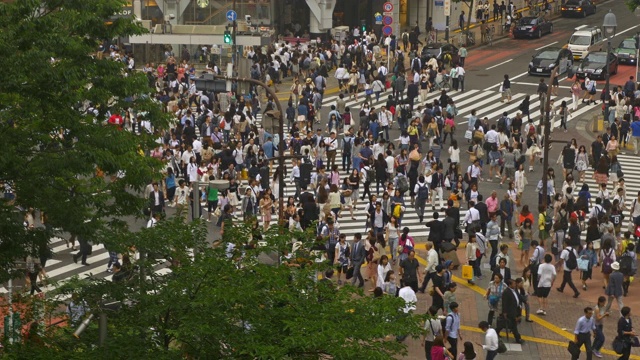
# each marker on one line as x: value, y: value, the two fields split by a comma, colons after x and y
x: 626, y: 264
x: 423, y: 192
x: 572, y: 261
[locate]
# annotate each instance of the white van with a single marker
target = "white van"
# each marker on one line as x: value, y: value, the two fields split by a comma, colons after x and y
x: 584, y: 40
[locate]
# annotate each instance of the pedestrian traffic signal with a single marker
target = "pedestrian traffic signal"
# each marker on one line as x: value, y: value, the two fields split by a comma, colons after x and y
x: 227, y: 37
x: 363, y: 25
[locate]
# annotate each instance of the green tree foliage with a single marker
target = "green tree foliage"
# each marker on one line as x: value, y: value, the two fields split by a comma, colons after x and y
x: 632, y: 4
x: 50, y: 147
x: 230, y: 304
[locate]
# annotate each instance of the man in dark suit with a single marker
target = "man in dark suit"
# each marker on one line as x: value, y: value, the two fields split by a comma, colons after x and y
x: 502, y: 269
x: 358, y: 255
x: 484, y: 214
x: 511, y: 310
x: 156, y: 200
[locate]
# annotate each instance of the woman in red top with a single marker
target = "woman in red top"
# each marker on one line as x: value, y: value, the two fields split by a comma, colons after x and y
x: 438, y: 352
x: 524, y: 215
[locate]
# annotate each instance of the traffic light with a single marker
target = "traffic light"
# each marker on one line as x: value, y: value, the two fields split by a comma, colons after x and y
x: 363, y: 25
x: 227, y: 37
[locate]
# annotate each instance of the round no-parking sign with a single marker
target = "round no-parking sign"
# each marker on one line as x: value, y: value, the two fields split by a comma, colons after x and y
x: 387, y: 30
x: 387, y: 7
x: 387, y: 20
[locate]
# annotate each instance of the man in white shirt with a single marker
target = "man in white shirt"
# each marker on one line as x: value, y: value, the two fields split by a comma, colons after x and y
x: 490, y: 340
x: 461, y: 72
x: 390, y: 160
x: 432, y: 262
x: 546, y: 278
x: 472, y: 216
x: 331, y: 144
x: 566, y: 277
x: 385, y: 118
x: 382, y: 71
x: 409, y: 297
x: 492, y: 135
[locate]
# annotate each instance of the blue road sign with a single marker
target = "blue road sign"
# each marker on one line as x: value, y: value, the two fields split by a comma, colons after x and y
x: 232, y: 15
x: 387, y: 30
x: 379, y: 17
x: 387, y: 20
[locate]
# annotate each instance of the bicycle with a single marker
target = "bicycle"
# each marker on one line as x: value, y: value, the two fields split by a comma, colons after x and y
x: 431, y: 38
x: 466, y: 38
x: 445, y: 84
x: 489, y: 35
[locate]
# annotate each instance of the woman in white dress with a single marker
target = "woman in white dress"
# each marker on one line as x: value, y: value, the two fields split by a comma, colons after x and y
x: 383, y: 268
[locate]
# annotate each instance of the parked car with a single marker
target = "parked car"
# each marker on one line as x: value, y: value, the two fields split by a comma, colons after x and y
x: 439, y: 50
x: 626, y: 51
x: 578, y: 8
x: 545, y: 60
x: 594, y: 64
x: 532, y: 27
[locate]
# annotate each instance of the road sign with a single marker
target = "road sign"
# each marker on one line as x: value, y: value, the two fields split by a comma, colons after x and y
x: 439, y: 3
x: 232, y: 15
x: 387, y: 20
x: 388, y: 13
x: 378, y: 18
x: 387, y: 6
x: 447, y: 7
x: 387, y: 30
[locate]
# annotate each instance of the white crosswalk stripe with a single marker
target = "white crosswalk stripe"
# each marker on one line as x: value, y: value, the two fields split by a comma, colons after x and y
x: 487, y: 103
x: 631, y: 171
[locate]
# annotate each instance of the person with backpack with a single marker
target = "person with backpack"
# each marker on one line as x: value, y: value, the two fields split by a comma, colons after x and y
x: 607, y: 257
x: 569, y: 262
x: 614, y: 287
x: 628, y: 266
x: 421, y: 190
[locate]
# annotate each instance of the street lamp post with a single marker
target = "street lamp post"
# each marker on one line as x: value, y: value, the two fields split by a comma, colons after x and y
x: 609, y: 24
x: 546, y: 120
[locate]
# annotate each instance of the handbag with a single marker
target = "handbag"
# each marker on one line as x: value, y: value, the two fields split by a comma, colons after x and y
x: 596, y: 244
x: 502, y: 348
x: 583, y: 264
x: 468, y: 134
x: 635, y: 342
x: 467, y: 272
x: 368, y: 91
x: 620, y: 173
x: 349, y: 273
x: 573, y: 348
x: 618, y: 345
x: 217, y: 212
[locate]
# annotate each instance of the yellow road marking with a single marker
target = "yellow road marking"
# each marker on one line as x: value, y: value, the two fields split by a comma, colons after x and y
x: 536, y: 319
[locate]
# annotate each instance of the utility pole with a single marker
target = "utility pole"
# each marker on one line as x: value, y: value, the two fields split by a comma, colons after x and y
x: 547, y: 131
x: 234, y: 47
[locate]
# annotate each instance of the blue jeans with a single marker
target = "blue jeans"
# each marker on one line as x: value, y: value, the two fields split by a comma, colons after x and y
x: 491, y: 354
x: 598, y: 340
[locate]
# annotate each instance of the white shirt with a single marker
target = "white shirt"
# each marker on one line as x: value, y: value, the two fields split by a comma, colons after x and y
x: 384, y: 117
x: 460, y: 71
x: 491, y: 136
x: 472, y: 215
x: 409, y: 297
x: 331, y: 144
x: 565, y: 256
x: 546, y: 274
x: 382, y: 70
x: 490, y: 340
x: 390, y: 162
x: 432, y: 260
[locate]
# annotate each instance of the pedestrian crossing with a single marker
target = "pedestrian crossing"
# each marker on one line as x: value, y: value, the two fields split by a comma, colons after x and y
x: 631, y: 172
x: 487, y: 104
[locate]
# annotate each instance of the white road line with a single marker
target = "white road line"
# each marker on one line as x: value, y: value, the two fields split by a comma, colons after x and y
x: 511, y: 78
x: 502, y: 107
x: 496, y: 65
x: 533, y: 84
x: 624, y: 31
x: 542, y: 47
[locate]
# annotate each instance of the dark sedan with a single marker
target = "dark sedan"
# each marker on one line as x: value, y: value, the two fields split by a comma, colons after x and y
x: 578, y: 8
x: 594, y: 65
x: 545, y: 60
x: 439, y: 50
x: 532, y: 27
x: 626, y: 51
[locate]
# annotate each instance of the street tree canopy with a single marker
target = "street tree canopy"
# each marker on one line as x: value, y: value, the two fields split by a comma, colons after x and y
x: 52, y: 147
x: 227, y: 303
x: 632, y: 4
